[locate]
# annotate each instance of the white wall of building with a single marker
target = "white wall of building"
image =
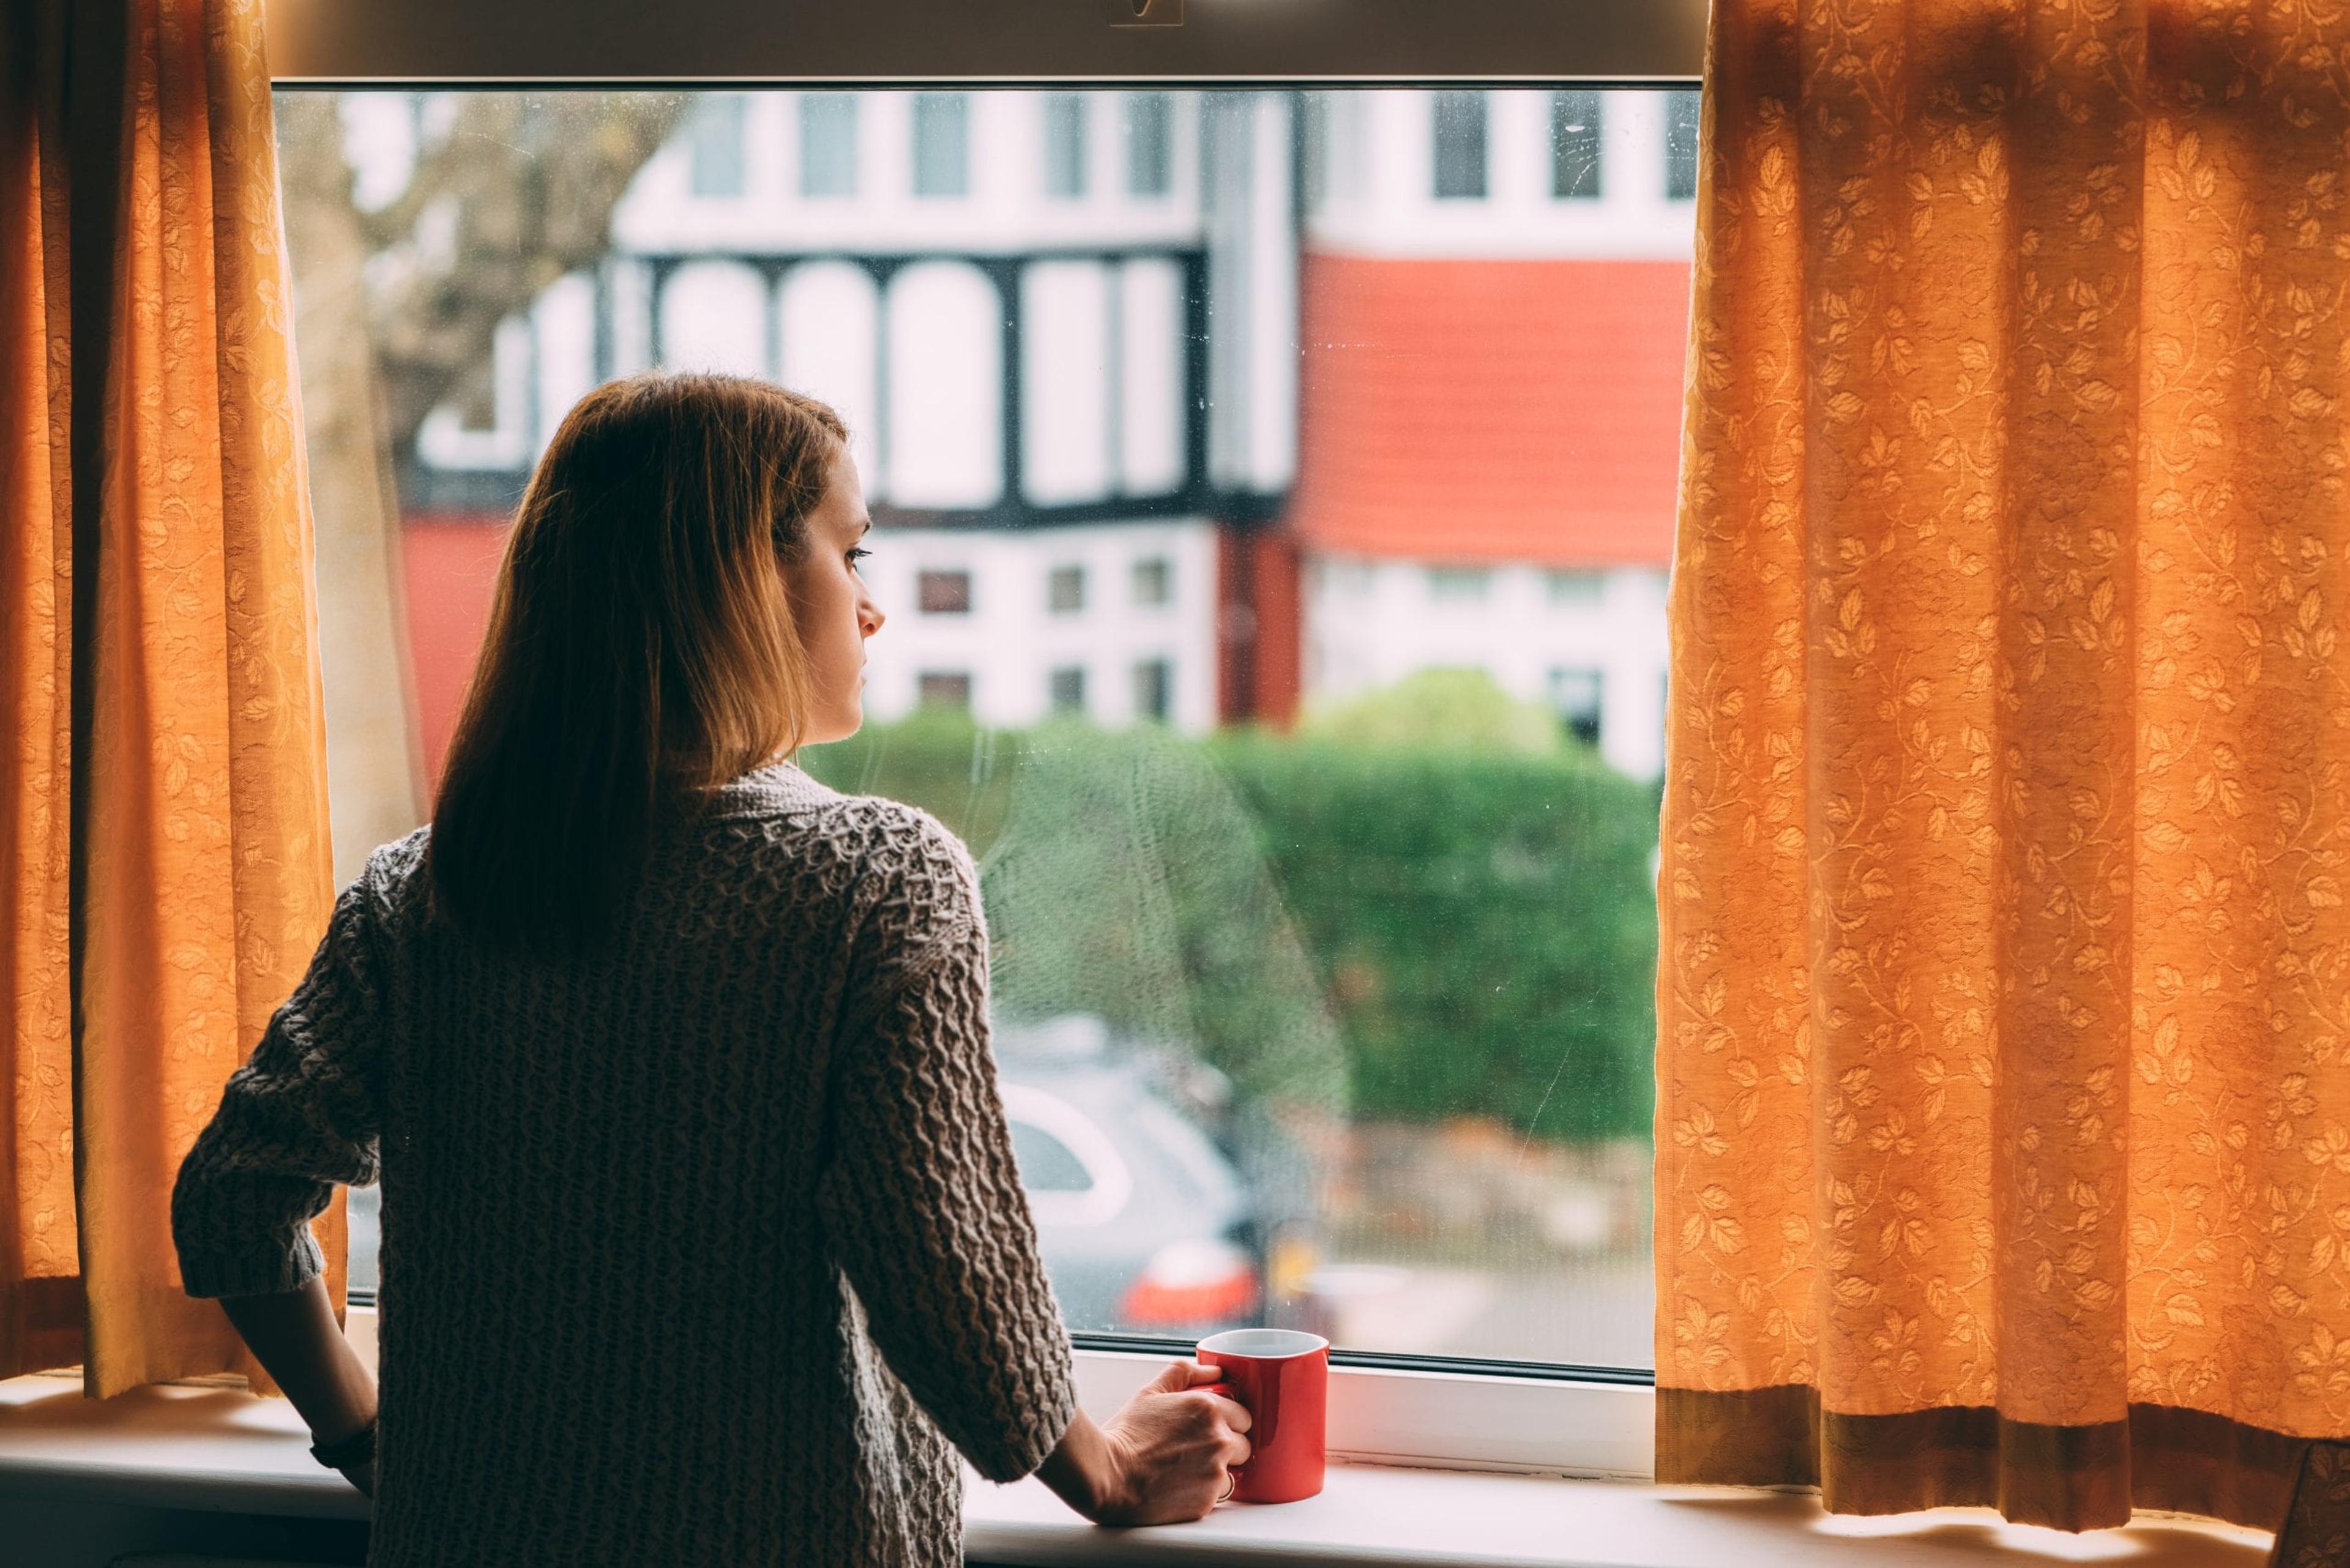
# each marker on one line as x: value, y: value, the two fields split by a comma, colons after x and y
x: 1377, y: 196
x: 1010, y: 641
x: 1371, y: 623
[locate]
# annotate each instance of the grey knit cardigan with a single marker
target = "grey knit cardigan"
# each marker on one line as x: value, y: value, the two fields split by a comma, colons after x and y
x: 700, y: 1252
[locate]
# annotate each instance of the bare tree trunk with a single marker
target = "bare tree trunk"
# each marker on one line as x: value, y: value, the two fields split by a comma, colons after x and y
x: 372, y: 773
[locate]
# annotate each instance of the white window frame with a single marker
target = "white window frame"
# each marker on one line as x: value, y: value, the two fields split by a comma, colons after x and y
x: 1541, y: 1421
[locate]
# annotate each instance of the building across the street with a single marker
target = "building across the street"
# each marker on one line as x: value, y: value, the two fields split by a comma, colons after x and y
x: 1170, y: 407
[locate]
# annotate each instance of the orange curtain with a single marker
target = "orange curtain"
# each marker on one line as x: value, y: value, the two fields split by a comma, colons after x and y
x: 164, y: 850
x: 2004, y: 1127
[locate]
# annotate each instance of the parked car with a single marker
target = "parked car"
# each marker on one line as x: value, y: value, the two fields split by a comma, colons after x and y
x: 1148, y: 1223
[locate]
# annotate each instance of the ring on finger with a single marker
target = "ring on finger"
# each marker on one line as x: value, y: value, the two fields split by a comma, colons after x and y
x: 1232, y: 1482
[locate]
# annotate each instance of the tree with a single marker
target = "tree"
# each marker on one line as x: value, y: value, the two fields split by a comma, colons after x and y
x: 396, y: 306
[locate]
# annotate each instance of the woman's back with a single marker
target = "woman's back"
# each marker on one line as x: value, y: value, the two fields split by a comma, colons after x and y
x: 642, y: 1209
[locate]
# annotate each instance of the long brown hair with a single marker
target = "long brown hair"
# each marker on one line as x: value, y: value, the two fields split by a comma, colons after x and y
x: 640, y: 648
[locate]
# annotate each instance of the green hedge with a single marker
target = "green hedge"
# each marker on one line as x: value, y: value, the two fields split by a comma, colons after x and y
x: 1412, y: 932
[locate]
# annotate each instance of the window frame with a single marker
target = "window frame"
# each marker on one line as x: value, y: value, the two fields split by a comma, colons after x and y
x: 1423, y: 1411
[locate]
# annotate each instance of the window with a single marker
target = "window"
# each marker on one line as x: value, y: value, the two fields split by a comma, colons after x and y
x: 942, y: 156
x: 715, y: 146
x: 1576, y: 588
x: 1680, y: 145
x: 943, y: 592
x: 943, y: 689
x: 1150, y: 144
x: 1376, y: 1134
x: 1459, y: 585
x: 827, y: 144
x: 1459, y: 119
x: 1574, y: 141
x: 1154, y: 688
x: 1575, y: 696
x: 1064, y: 145
x: 1154, y: 581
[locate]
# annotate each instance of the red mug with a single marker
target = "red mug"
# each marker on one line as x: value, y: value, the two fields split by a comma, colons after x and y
x: 1281, y: 1377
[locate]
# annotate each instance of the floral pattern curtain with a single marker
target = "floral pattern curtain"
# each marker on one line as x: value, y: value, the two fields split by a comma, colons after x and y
x: 2003, y: 1128
x: 164, y: 849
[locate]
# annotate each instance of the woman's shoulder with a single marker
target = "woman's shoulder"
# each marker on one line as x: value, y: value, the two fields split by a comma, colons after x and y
x: 783, y: 811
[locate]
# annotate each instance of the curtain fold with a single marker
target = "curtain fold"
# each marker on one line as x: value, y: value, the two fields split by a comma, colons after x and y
x: 2003, y: 1118
x: 165, y: 852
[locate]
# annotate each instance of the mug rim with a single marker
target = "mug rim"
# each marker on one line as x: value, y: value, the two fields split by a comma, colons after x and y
x: 1311, y: 1343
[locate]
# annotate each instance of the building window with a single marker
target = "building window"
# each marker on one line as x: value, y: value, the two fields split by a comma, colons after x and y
x: 1150, y: 144
x: 1574, y: 587
x: 1680, y: 143
x: 942, y: 144
x: 1459, y: 585
x: 714, y: 145
x: 1065, y: 589
x: 1154, y: 688
x: 1064, y: 145
x: 1068, y: 690
x: 1575, y: 697
x: 1154, y: 581
x: 943, y: 689
x: 1316, y: 150
x: 827, y: 144
x: 943, y: 593
x: 1575, y: 133
x: 1460, y: 120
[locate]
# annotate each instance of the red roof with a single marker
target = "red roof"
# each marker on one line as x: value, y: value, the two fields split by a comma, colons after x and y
x: 1491, y: 411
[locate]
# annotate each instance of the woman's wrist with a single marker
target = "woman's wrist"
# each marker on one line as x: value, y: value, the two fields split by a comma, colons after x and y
x: 1085, y: 1470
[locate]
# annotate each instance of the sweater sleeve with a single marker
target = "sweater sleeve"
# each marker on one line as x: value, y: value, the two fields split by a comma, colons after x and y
x: 920, y: 1200
x: 297, y: 1120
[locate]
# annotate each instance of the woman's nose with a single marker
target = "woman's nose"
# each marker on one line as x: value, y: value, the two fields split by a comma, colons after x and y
x: 868, y: 616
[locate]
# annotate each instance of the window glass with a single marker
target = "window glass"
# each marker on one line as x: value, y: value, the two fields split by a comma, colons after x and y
x: 1575, y: 132
x: 1064, y: 145
x: 1154, y: 688
x: 1154, y: 581
x: 942, y: 156
x: 1459, y: 585
x: 1149, y: 143
x: 943, y: 689
x: 1459, y: 122
x: 943, y: 592
x: 827, y: 144
x: 1323, y: 912
x: 1680, y: 144
x: 715, y: 147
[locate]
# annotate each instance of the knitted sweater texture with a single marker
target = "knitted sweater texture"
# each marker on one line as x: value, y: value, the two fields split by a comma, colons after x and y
x: 709, y: 1249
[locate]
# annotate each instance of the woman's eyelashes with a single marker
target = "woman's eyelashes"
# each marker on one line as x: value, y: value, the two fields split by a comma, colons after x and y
x: 856, y: 555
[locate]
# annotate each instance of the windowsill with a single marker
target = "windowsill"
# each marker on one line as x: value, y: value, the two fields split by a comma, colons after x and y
x: 222, y: 1452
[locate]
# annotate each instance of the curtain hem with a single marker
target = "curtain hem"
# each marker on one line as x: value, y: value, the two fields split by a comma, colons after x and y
x: 2162, y: 1457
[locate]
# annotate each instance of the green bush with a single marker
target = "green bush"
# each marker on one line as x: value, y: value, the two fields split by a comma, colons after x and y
x: 1413, y: 930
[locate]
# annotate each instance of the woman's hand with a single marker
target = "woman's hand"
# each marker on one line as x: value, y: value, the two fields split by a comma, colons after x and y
x: 1164, y: 1458
x: 361, y: 1476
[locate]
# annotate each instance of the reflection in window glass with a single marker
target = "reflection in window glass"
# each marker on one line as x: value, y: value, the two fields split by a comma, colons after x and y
x: 827, y: 144
x: 1149, y: 143
x: 1680, y: 144
x: 1064, y: 145
x: 1324, y: 912
x: 1046, y: 1164
x: 942, y: 156
x: 716, y: 153
x: 1574, y: 142
x: 1459, y: 129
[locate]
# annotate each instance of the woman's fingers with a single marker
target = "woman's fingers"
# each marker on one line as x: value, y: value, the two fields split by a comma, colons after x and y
x: 1235, y: 1413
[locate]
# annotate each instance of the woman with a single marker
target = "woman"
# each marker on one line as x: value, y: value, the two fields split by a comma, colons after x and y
x: 702, y: 1237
